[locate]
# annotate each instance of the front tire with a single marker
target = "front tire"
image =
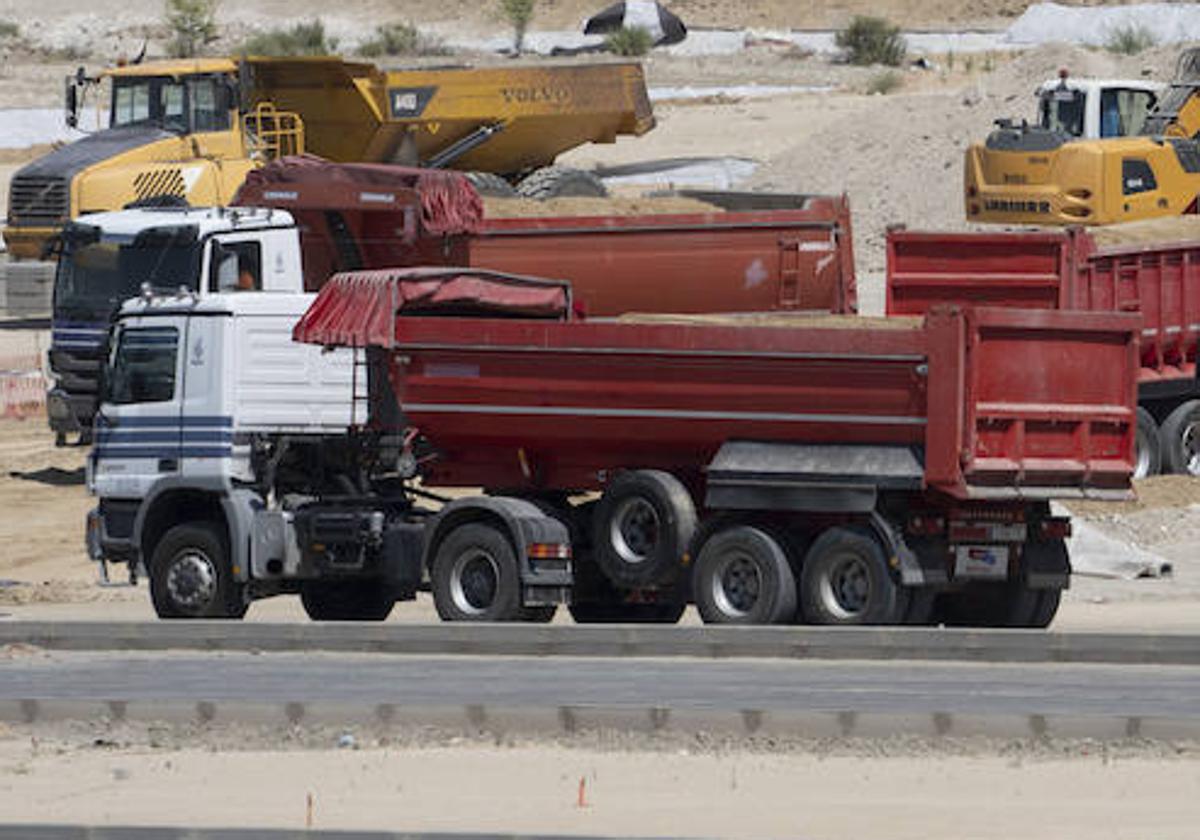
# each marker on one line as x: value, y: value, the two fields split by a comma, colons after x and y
x: 743, y: 577
x: 191, y: 576
x: 846, y: 581
x: 475, y: 576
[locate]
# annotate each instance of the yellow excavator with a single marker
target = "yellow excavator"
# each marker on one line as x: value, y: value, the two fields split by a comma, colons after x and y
x: 187, y: 132
x: 1027, y: 174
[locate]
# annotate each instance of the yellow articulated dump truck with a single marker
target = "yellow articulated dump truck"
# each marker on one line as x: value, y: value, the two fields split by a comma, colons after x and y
x: 1035, y: 175
x: 187, y: 132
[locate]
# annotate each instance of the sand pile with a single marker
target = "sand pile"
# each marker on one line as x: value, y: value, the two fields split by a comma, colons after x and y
x: 509, y: 208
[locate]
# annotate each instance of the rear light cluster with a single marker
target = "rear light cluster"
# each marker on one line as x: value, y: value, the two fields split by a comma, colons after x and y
x: 1054, y: 528
x: 550, y: 551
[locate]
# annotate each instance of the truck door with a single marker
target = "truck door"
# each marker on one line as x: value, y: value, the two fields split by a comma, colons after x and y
x: 206, y: 427
x: 138, y: 433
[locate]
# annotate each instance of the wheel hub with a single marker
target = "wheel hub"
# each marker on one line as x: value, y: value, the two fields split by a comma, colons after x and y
x: 474, y: 582
x: 846, y: 590
x: 192, y: 580
x: 634, y: 531
x: 1190, y: 444
x: 736, y: 586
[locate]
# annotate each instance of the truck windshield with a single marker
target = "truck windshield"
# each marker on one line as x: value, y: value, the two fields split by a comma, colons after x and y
x: 142, y: 367
x: 192, y: 103
x: 93, y: 278
x: 1062, y: 109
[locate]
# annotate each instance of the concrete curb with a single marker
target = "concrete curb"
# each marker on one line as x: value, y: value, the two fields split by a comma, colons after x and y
x: 565, y: 721
x: 907, y: 643
x: 85, y: 832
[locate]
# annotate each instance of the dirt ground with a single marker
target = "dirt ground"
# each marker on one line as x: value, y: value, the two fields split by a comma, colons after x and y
x: 833, y: 792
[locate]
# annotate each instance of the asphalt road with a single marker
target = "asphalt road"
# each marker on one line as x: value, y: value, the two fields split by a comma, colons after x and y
x: 519, y: 682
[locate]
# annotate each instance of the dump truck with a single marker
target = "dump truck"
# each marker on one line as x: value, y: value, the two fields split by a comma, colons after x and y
x: 1151, y: 268
x: 770, y: 469
x: 1030, y: 174
x: 188, y: 132
x: 304, y: 221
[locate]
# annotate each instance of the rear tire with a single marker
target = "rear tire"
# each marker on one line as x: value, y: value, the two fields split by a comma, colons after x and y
x: 1180, y: 439
x: 643, y: 526
x: 1147, y: 453
x: 357, y: 600
x: 191, y: 576
x: 743, y: 577
x: 490, y: 184
x: 846, y: 581
x: 561, y: 182
x: 475, y: 576
x: 1009, y: 604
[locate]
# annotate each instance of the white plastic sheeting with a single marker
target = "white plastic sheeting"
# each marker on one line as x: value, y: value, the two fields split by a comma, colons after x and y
x: 1042, y: 23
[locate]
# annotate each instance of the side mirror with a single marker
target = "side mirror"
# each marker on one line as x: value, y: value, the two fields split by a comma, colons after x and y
x: 72, y: 103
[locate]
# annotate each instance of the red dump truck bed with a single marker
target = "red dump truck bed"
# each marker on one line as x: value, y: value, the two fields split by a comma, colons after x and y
x: 998, y: 404
x: 751, y: 253
x: 1070, y: 269
x: 1151, y: 268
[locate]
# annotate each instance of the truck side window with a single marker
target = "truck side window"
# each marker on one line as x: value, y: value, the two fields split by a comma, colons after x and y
x: 171, y: 100
x: 208, y: 114
x: 1123, y: 112
x: 143, y: 368
x: 239, y: 269
x: 1137, y: 176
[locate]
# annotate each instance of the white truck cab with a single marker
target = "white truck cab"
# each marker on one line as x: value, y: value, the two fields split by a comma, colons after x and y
x: 1090, y: 109
x: 106, y: 258
x: 199, y: 395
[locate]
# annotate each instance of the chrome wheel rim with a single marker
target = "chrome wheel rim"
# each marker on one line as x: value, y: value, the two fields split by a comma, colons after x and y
x: 634, y: 530
x: 192, y: 580
x: 736, y: 585
x: 1189, y: 444
x: 1141, y: 466
x: 846, y: 589
x: 474, y: 582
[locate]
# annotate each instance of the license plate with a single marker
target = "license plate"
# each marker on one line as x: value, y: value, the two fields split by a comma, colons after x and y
x: 981, y: 561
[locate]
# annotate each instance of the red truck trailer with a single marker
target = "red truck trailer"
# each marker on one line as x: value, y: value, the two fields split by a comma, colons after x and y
x: 1126, y: 269
x: 751, y: 253
x: 834, y: 470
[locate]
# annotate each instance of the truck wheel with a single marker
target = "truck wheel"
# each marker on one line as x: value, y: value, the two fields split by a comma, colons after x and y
x: 490, y: 184
x: 191, y: 577
x: 1147, y: 453
x: 475, y: 576
x: 1180, y: 436
x: 1009, y: 604
x: 643, y: 525
x: 560, y: 182
x: 845, y: 580
x: 743, y: 577
x: 354, y: 600
x: 612, y: 612
x: 921, y: 607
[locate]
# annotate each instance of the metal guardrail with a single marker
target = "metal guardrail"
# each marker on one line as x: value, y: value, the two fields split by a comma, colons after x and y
x: 790, y: 643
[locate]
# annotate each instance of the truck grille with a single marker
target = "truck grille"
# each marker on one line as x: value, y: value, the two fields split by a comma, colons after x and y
x: 34, y: 200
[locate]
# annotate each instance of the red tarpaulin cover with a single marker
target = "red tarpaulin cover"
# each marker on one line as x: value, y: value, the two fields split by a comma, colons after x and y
x: 359, y: 308
x: 449, y: 204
